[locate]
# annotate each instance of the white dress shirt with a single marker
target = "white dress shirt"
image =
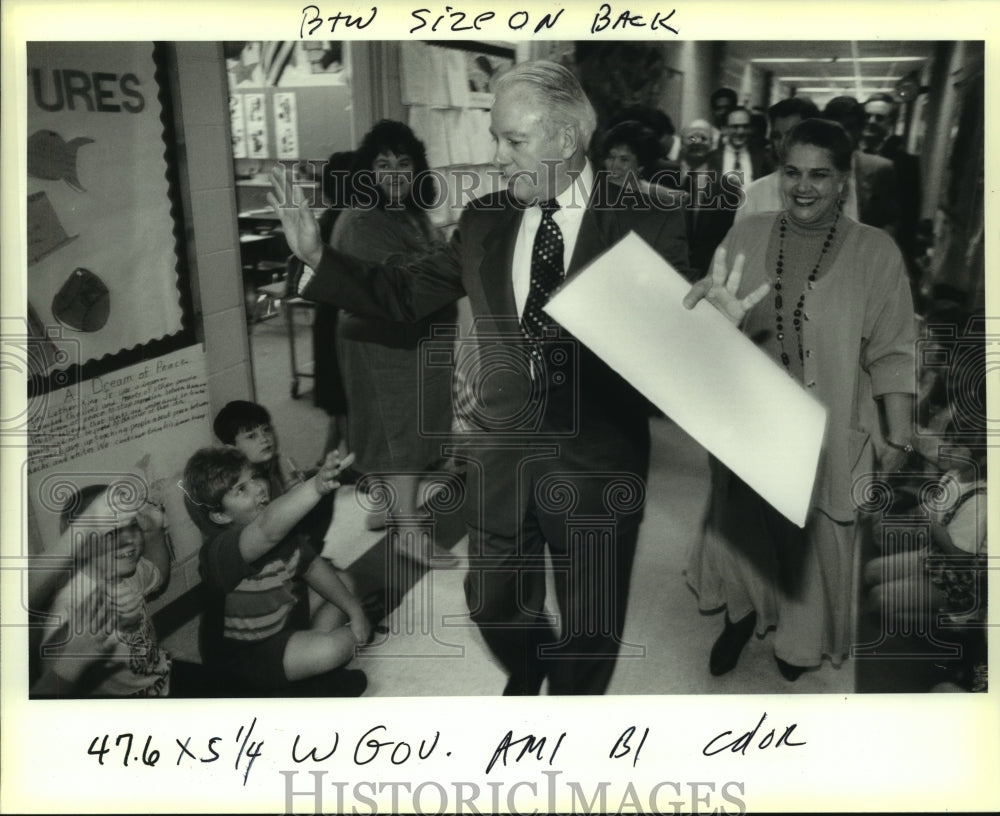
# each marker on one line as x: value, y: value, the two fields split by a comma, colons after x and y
x: 729, y: 162
x: 572, y: 205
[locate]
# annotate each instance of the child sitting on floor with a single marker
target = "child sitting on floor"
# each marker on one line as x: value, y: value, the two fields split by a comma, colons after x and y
x: 100, y: 641
x: 247, y: 426
x: 261, y: 629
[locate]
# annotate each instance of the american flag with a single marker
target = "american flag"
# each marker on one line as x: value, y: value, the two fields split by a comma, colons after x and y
x: 274, y: 56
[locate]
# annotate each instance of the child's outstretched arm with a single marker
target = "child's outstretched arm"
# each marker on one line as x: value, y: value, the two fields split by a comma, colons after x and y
x: 279, y: 517
x: 322, y: 577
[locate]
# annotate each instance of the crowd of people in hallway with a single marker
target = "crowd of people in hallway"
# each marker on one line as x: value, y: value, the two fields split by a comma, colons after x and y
x: 800, y: 225
x: 730, y: 167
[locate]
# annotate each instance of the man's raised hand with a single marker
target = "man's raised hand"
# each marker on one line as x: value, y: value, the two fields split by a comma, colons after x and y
x: 297, y: 220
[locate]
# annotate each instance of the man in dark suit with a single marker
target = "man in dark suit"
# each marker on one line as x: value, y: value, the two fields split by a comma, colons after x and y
x: 721, y: 102
x: 738, y: 153
x: 874, y: 177
x: 562, y: 450
x: 878, y: 138
x: 712, y: 196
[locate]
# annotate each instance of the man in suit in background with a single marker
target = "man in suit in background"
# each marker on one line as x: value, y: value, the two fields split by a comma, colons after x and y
x: 721, y: 102
x: 713, y: 197
x: 878, y: 138
x: 874, y: 177
x: 563, y: 439
x: 737, y: 153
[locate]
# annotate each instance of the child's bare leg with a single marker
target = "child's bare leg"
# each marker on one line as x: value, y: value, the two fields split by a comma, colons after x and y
x: 348, y: 581
x: 327, y: 617
x: 312, y: 652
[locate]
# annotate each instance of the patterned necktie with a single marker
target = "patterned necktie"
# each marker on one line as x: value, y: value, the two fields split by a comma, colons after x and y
x: 546, y: 273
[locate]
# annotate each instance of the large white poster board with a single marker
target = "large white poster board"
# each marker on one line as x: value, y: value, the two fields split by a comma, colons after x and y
x: 699, y: 369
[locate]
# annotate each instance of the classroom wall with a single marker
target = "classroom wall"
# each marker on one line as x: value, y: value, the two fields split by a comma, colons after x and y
x: 206, y: 170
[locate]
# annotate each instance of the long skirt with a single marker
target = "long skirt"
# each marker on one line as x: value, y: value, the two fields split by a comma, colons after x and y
x: 399, y: 407
x: 799, y: 581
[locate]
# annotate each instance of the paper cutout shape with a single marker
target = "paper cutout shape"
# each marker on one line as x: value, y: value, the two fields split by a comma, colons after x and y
x: 286, y: 133
x: 51, y: 157
x: 241, y: 72
x: 42, y: 352
x: 256, y: 126
x: 45, y: 231
x: 699, y: 369
x: 237, y: 126
x: 83, y: 302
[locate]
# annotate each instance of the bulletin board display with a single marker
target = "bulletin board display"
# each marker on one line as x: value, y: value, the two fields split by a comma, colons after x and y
x: 106, y: 269
x: 288, y: 100
x: 290, y: 123
x: 134, y: 428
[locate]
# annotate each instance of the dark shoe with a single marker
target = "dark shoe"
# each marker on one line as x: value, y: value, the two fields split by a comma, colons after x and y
x: 788, y: 671
x: 348, y: 683
x: 727, y: 648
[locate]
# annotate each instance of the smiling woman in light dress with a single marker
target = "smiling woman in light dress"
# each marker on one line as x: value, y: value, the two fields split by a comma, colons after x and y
x: 838, y: 318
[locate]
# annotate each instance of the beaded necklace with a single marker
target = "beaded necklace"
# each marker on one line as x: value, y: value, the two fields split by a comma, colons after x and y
x: 778, y: 299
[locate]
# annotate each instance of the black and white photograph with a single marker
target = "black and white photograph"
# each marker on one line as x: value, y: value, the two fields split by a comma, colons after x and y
x: 357, y: 380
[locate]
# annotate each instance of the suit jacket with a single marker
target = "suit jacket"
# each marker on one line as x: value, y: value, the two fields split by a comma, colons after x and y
x: 761, y: 162
x: 878, y: 199
x: 907, y: 167
x: 712, y: 203
x: 594, y: 421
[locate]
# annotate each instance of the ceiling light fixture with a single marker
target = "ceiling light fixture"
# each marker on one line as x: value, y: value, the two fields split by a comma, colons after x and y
x: 845, y: 78
x: 864, y: 92
x: 829, y: 60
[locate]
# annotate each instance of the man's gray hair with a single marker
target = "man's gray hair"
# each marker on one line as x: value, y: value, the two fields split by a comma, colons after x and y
x: 564, y: 99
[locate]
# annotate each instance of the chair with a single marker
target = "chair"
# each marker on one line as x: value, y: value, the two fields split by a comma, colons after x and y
x: 279, y: 294
x: 268, y: 296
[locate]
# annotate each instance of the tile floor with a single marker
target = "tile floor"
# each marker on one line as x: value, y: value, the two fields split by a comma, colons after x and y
x: 425, y: 654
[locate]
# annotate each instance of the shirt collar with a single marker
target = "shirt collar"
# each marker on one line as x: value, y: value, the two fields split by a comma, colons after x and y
x: 577, y: 194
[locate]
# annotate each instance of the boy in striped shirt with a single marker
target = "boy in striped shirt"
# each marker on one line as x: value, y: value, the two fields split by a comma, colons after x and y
x: 264, y: 629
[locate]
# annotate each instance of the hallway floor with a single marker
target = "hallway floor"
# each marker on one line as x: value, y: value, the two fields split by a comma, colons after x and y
x: 427, y: 645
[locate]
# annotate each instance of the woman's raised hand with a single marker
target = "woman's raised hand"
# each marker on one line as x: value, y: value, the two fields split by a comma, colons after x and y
x: 297, y: 220
x: 721, y: 286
